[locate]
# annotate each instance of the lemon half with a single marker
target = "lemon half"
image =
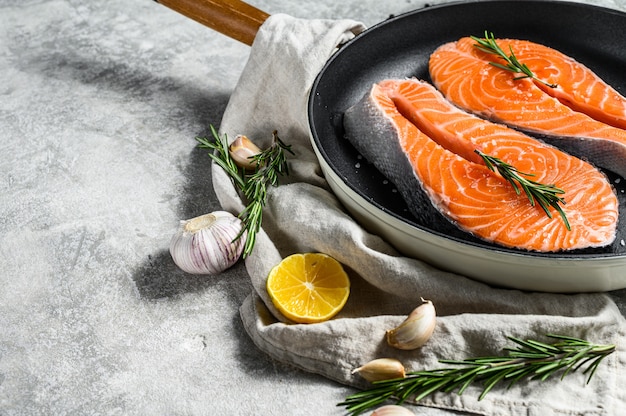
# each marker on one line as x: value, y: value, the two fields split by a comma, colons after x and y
x: 308, y: 287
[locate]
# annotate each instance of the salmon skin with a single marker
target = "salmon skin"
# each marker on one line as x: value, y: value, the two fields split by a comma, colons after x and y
x: 446, y: 191
x: 582, y: 115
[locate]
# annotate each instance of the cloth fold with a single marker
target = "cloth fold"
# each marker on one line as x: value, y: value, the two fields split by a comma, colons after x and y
x: 303, y: 215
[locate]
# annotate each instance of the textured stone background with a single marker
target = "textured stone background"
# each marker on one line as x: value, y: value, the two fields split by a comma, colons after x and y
x: 100, y: 103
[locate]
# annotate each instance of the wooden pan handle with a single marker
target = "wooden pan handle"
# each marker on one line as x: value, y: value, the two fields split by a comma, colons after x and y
x: 233, y: 18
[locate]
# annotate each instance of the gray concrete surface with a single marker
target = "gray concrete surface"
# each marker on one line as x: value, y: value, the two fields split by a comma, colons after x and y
x: 100, y: 103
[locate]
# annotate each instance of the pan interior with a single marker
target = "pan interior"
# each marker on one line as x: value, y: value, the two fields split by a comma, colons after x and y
x: 400, y: 47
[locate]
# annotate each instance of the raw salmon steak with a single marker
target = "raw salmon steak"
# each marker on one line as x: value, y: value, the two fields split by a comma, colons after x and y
x: 582, y: 115
x: 424, y: 145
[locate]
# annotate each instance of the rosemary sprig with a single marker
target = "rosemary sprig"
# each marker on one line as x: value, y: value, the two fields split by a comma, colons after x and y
x: 531, y: 359
x: 489, y: 45
x: 271, y: 163
x: 546, y: 195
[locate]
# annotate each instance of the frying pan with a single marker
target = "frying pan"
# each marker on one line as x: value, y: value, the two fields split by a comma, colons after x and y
x: 400, y: 47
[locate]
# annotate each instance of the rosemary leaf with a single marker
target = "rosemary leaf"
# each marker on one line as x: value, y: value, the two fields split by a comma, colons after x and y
x: 532, y: 360
x: 545, y: 195
x: 271, y: 163
x: 489, y: 45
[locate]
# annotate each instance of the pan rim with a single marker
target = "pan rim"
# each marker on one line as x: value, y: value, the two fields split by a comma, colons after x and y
x: 315, y: 134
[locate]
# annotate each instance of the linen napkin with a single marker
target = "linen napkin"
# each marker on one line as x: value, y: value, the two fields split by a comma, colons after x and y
x: 303, y: 215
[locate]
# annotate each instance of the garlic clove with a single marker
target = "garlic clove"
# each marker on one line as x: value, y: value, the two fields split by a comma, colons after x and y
x: 242, y: 150
x: 392, y: 410
x: 416, y: 329
x: 208, y: 244
x: 381, y: 369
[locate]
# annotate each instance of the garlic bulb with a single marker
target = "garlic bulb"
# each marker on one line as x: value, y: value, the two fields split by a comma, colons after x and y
x: 241, y: 151
x: 204, y: 245
x: 392, y: 410
x: 416, y: 328
x: 381, y: 369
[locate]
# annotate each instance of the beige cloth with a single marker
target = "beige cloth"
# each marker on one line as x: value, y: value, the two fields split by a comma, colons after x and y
x: 303, y: 215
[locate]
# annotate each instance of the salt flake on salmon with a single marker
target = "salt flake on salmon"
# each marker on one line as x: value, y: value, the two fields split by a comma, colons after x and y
x: 423, y: 144
x: 582, y: 114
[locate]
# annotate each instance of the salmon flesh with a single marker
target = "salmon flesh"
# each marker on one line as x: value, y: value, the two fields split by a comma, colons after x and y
x: 425, y: 146
x: 582, y: 114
